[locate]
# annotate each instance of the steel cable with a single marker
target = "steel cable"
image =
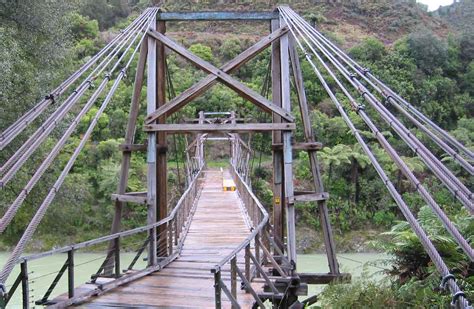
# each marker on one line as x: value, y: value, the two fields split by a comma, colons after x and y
x: 28, y: 117
x: 395, y: 99
x: 398, y: 161
x: 452, y: 183
x: 15, y: 162
x: 426, y: 242
x: 14, y: 256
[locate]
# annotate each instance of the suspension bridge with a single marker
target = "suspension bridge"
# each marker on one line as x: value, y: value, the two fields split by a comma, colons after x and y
x: 218, y: 245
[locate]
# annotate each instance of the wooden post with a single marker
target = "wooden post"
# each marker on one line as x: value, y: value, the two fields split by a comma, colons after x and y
x: 313, y: 160
x: 217, y: 288
x: 117, y: 257
x: 161, y: 162
x: 24, y: 285
x: 232, y: 142
x: 233, y: 277
x: 287, y: 149
x: 277, y: 154
x: 129, y: 138
x: 70, y: 272
x: 151, y: 151
x: 200, y: 144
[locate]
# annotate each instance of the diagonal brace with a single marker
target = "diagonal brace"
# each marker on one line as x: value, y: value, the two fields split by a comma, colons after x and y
x: 219, y: 74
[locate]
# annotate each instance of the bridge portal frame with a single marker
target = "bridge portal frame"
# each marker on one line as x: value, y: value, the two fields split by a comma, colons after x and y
x: 283, y: 57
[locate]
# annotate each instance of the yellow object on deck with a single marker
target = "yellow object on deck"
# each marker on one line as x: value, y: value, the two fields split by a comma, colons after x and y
x: 228, y: 185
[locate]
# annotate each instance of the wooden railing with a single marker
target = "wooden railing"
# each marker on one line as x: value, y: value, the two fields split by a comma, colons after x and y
x: 255, y: 250
x: 172, y: 230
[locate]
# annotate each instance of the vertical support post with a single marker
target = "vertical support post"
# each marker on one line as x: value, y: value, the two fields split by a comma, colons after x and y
x: 232, y: 142
x: 277, y: 154
x: 257, y: 252
x: 24, y: 285
x: 287, y: 149
x: 70, y: 273
x: 233, y: 277
x: 200, y: 144
x: 117, y: 257
x: 313, y: 160
x: 217, y: 288
x: 129, y: 137
x: 170, y: 237
x: 151, y: 150
x: 247, y: 262
x: 161, y: 166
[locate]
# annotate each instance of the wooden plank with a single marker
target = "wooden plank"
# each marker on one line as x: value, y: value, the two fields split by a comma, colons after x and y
x: 300, y: 146
x: 322, y: 278
x: 222, y: 15
x: 130, y: 198
x: 140, y: 147
x: 311, y: 197
x: 228, y: 127
x: 225, y: 78
x: 200, y: 87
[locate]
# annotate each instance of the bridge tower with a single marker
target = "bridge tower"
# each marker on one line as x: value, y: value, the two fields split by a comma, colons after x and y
x: 284, y: 67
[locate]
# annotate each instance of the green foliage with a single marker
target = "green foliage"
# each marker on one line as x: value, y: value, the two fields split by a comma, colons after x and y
x: 411, y: 260
x: 202, y: 51
x: 106, y: 12
x: 82, y: 27
x: 428, y: 51
x: 370, y: 49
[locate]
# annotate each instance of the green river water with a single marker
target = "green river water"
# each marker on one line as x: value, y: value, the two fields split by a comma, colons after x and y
x: 43, y: 271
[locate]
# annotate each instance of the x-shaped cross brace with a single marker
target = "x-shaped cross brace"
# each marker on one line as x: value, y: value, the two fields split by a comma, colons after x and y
x: 218, y: 74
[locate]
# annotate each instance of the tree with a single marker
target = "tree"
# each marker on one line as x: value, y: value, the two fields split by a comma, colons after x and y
x: 370, y: 49
x: 359, y: 161
x: 428, y: 50
x: 335, y: 156
x: 202, y: 51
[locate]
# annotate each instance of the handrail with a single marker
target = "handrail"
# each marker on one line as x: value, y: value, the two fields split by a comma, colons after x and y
x: 254, y: 261
x: 255, y: 231
x: 176, y: 224
x: 91, y: 242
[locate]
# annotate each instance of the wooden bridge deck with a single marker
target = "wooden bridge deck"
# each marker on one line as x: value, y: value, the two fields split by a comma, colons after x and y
x: 217, y: 227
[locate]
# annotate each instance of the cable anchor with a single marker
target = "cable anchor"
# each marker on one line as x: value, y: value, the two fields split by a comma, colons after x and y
x: 456, y: 296
x: 51, y: 97
x: 445, y: 279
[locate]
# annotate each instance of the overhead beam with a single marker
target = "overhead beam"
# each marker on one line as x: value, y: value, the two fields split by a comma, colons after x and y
x: 209, y: 16
x: 228, y: 127
x: 222, y: 76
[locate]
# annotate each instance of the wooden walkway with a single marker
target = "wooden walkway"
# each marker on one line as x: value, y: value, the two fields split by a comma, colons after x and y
x: 217, y: 227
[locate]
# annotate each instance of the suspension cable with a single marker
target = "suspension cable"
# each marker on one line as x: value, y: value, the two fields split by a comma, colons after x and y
x: 16, y: 161
x: 451, y: 182
x: 426, y: 242
x: 14, y: 256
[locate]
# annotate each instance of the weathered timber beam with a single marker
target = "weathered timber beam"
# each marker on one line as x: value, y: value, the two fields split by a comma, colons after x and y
x: 218, y: 74
x: 303, y: 196
x: 207, y: 16
x: 132, y: 197
x: 228, y: 127
x: 319, y: 278
x: 196, y: 120
x: 300, y: 146
x: 140, y: 147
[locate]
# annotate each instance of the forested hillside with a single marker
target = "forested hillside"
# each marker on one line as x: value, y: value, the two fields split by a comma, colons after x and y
x: 427, y: 58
